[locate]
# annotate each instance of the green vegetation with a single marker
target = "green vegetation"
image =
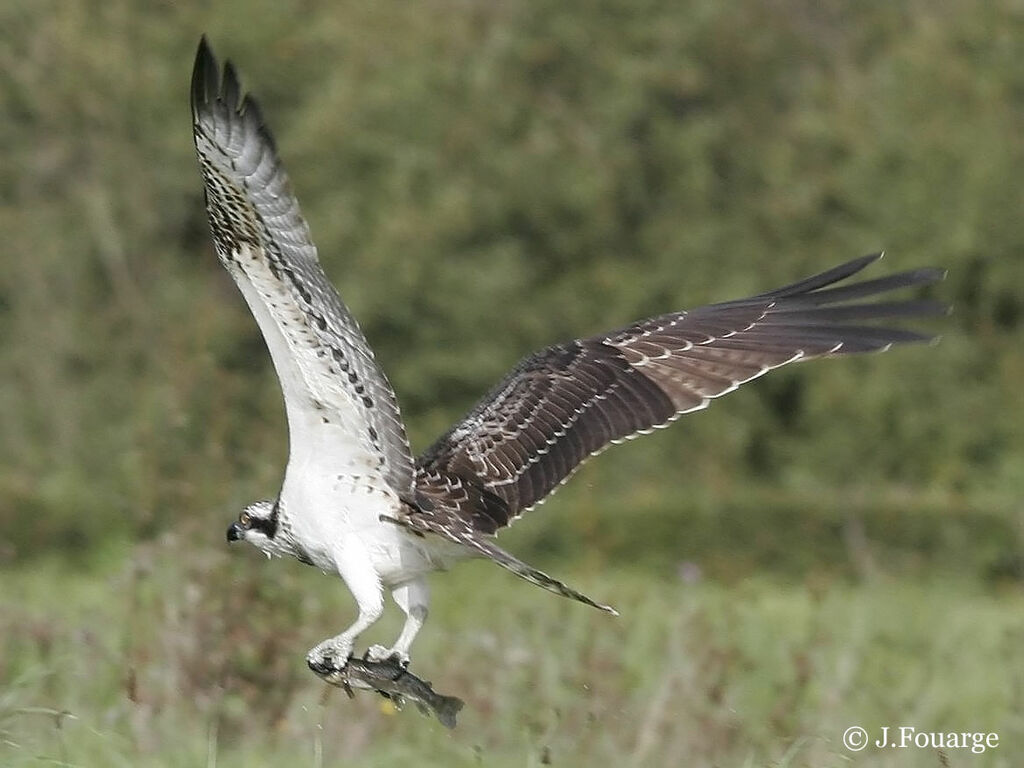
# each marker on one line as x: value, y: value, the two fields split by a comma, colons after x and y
x: 178, y: 660
x: 484, y: 179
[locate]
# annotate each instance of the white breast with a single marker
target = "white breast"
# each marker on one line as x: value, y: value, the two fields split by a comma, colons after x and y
x: 338, y: 511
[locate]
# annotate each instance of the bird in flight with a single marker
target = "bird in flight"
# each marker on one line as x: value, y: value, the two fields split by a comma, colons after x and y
x: 355, y: 502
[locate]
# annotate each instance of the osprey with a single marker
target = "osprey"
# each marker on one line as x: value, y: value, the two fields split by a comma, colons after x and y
x: 354, y: 501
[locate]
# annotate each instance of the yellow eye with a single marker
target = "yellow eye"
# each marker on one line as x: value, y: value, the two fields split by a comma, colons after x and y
x: 245, y: 519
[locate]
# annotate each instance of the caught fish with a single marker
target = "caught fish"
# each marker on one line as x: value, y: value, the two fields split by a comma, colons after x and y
x: 394, y: 682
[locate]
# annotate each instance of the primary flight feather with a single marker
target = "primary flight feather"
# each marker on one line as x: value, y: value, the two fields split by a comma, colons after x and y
x: 353, y: 500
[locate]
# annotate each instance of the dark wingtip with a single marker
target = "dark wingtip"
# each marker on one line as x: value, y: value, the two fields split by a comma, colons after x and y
x: 210, y: 86
x: 822, y: 279
x: 921, y: 276
x: 933, y: 274
x: 230, y: 89
x: 205, y: 80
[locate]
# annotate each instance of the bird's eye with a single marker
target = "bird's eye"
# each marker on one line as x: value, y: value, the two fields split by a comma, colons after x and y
x: 245, y: 519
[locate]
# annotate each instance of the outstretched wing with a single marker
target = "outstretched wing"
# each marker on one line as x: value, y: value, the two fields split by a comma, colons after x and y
x: 337, y: 399
x: 570, y: 401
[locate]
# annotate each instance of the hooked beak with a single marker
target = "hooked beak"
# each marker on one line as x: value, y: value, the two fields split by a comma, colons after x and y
x: 235, y: 532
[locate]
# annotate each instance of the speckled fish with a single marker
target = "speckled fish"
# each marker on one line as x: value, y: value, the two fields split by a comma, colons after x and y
x: 393, y: 682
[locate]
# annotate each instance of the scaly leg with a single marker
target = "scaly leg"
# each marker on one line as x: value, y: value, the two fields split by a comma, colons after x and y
x: 412, y: 597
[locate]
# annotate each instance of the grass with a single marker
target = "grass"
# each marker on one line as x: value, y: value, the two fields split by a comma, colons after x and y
x: 182, y: 657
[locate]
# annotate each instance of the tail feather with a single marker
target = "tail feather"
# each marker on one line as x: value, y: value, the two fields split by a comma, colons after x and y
x: 522, y: 570
x: 482, y: 545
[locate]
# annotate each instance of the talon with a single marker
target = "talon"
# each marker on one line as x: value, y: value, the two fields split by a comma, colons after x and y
x: 330, y: 657
x: 399, y: 659
x: 382, y: 655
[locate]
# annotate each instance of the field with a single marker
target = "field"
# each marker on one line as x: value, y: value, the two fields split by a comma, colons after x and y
x: 838, y: 544
x: 130, y: 667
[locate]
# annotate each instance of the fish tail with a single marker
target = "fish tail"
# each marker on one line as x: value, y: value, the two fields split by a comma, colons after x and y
x: 446, y: 708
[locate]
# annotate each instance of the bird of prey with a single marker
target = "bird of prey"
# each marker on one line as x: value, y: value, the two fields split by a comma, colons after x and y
x: 355, y: 502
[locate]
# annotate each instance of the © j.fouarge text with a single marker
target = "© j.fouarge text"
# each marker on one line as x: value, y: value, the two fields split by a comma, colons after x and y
x: 856, y: 738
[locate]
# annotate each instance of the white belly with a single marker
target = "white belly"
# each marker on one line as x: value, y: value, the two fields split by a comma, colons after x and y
x: 339, y: 515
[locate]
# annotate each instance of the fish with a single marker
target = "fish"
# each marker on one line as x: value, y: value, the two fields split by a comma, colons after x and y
x: 392, y: 681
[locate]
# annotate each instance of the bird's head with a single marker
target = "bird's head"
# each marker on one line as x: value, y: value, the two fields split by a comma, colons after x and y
x: 257, y: 524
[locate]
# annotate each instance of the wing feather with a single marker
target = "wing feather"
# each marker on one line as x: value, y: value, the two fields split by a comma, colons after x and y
x: 338, y: 401
x: 570, y: 401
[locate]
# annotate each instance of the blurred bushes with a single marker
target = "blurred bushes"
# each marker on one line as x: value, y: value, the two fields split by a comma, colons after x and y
x: 487, y: 178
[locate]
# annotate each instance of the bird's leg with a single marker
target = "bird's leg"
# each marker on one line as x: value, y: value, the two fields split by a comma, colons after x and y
x: 412, y: 597
x: 355, y: 568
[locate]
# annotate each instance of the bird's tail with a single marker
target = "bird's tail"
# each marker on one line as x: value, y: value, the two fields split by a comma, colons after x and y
x: 512, y: 563
x: 481, y: 545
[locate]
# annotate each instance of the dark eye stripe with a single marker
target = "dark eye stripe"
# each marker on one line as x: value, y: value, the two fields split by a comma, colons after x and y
x: 267, y: 525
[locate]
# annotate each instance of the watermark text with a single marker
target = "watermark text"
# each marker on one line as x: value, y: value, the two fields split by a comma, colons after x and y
x: 856, y: 739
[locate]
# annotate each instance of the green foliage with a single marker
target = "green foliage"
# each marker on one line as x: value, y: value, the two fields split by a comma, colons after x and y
x: 486, y: 179
x: 119, y: 669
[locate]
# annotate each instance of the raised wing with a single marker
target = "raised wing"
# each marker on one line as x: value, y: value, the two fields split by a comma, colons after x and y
x: 337, y: 399
x: 570, y: 401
